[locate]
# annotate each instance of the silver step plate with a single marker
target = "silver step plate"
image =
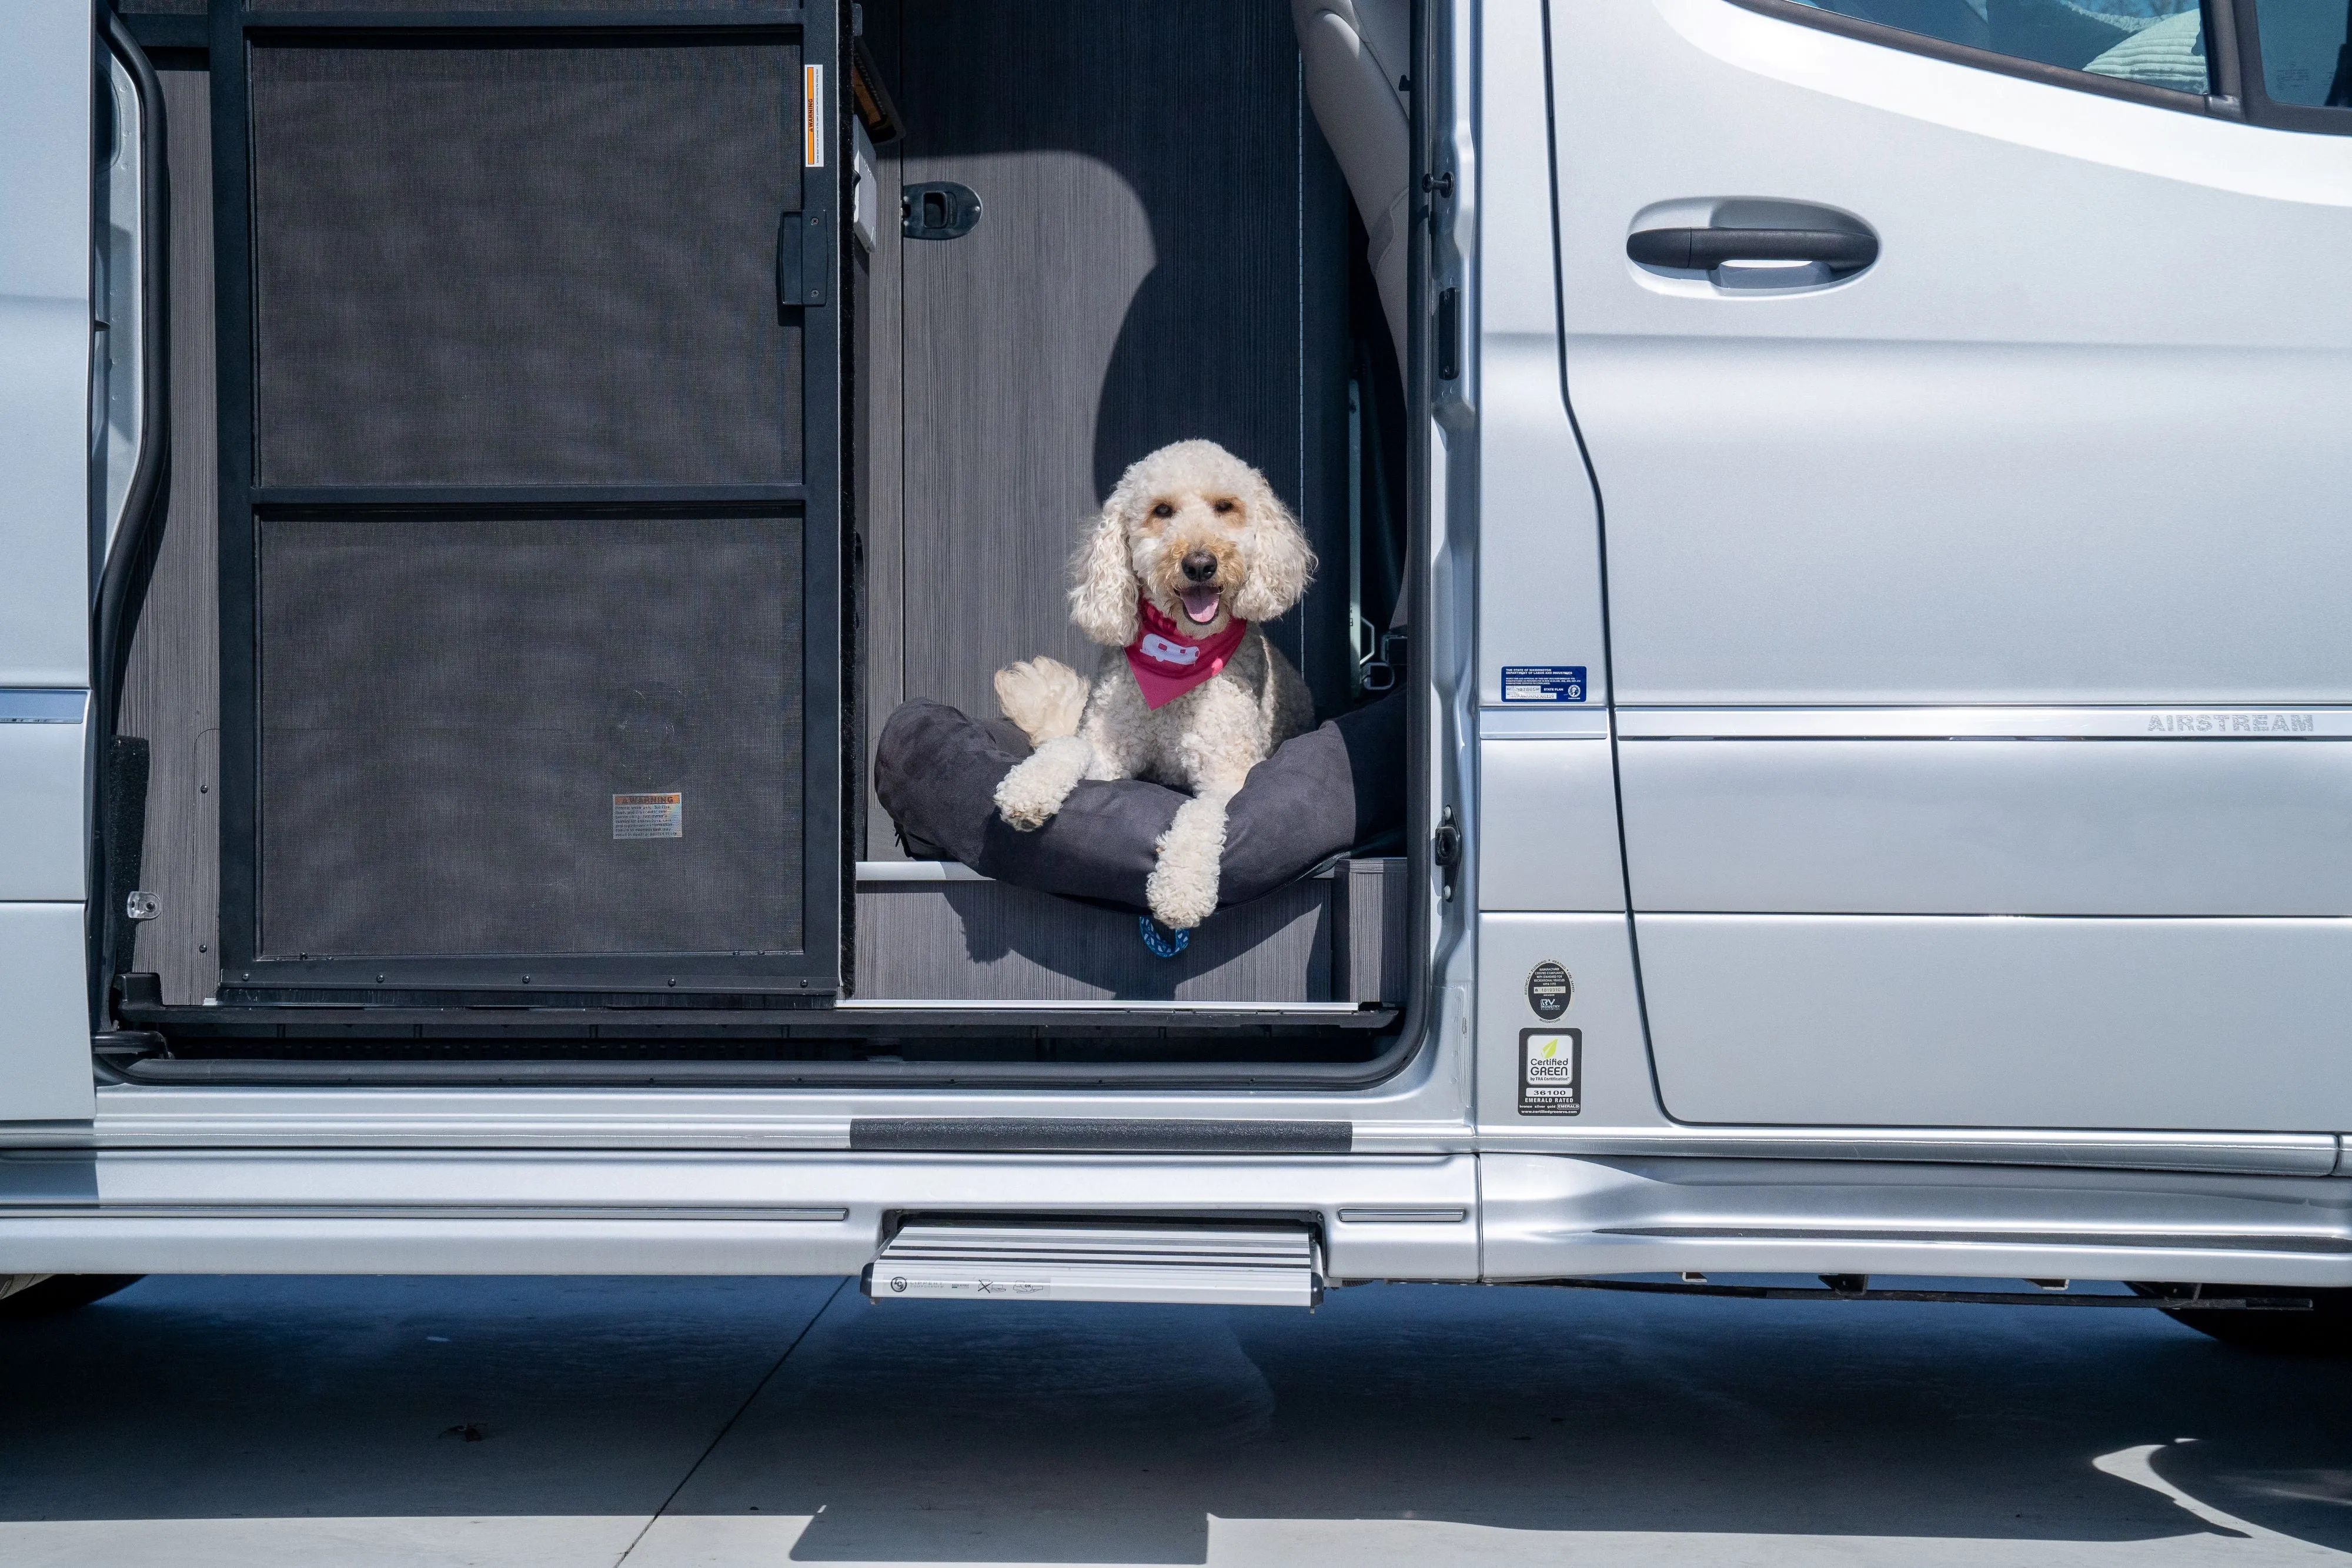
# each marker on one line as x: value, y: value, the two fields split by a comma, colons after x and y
x: 1208, y: 1265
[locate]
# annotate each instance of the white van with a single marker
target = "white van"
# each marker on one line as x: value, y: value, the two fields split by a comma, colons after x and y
x: 1849, y: 498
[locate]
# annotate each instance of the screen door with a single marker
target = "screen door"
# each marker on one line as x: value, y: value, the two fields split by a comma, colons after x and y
x: 530, y: 452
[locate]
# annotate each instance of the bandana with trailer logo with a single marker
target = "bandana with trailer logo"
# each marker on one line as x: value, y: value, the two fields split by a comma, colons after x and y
x: 1168, y: 663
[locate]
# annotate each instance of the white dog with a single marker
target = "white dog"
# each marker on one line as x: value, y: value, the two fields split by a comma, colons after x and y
x: 1190, y: 550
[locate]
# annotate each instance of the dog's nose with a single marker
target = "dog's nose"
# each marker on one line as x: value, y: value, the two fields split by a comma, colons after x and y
x: 1199, y: 566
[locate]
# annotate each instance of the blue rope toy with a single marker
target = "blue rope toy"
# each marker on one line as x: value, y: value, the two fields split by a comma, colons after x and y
x: 1163, y: 942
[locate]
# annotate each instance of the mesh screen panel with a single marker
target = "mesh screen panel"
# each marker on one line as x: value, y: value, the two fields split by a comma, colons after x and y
x: 523, y: 265
x: 449, y: 709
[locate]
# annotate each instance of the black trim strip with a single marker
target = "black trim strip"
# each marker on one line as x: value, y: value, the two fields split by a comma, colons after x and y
x: 175, y: 32
x: 1936, y: 49
x: 646, y: 1017
x: 582, y: 500
x: 2274, y: 1304
x: 327, y: 19
x: 1093, y: 1135
x: 878, y: 1075
x: 131, y: 554
x: 2137, y: 1240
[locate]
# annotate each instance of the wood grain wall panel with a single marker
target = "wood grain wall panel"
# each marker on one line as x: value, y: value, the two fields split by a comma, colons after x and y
x: 881, y: 446
x: 990, y: 941
x: 1154, y: 197
x: 1368, y: 954
x: 171, y: 691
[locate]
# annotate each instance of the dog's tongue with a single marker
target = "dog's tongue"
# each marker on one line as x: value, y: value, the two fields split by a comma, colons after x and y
x: 1200, y: 604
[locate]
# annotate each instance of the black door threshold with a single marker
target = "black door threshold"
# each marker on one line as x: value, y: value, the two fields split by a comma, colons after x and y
x: 316, y: 1022
x: 161, y: 1070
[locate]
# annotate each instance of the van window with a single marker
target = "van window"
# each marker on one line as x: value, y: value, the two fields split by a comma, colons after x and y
x: 2154, y: 43
x: 2306, y: 59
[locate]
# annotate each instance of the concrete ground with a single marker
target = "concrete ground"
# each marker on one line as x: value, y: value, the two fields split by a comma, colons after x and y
x: 668, y: 1423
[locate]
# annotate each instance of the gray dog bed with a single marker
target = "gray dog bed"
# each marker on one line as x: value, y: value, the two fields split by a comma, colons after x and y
x: 1337, y: 788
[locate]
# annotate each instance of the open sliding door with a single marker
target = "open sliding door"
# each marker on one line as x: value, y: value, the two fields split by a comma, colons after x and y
x: 530, y: 456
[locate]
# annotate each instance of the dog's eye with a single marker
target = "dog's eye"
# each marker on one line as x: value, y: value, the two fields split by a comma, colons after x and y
x: 1163, y: 511
x: 1223, y: 507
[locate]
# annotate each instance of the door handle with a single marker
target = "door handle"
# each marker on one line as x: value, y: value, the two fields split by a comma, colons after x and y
x: 1702, y: 250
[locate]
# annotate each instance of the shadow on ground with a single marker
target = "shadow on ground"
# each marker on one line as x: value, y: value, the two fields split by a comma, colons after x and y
x: 972, y: 1432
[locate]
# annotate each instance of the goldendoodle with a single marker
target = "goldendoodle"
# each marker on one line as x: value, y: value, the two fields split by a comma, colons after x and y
x: 1191, y: 550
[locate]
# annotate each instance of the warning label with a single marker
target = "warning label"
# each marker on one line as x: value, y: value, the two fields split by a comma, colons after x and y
x: 1543, y: 682
x: 649, y: 816
x: 812, y: 123
x: 1549, y: 1059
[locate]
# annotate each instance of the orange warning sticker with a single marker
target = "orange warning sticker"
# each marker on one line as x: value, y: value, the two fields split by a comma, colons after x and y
x: 812, y: 116
x: 649, y: 816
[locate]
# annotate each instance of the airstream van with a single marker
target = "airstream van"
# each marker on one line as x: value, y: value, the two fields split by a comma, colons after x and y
x: 1843, y: 501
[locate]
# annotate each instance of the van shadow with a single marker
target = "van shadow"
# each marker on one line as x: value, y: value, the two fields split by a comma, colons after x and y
x: 962, y: 1433
x: 956, y: 1432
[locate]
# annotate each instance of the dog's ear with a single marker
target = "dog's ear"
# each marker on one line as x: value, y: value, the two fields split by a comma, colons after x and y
x: 1277, y: 556
x: 1102, y: 582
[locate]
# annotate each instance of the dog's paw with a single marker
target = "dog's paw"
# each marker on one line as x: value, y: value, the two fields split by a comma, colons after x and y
x: 1025, y: 803
x: 1045, y: 696
x: 1180, y: 897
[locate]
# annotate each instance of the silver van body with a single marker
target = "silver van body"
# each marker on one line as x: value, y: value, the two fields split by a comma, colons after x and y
x: 1885, y: 773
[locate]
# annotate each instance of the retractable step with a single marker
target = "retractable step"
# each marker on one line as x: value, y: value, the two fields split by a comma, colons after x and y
x: 1210, y: 1265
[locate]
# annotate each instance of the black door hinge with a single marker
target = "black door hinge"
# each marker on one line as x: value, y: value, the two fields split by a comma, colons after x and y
x: 940, y: 209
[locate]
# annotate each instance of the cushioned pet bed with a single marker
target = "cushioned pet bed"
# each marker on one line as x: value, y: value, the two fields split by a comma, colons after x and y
x: 1337, y: 787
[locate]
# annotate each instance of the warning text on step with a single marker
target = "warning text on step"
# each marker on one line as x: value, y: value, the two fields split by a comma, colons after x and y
x: 649, y: 816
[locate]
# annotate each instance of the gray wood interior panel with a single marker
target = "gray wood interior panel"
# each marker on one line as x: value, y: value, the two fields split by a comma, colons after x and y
x: 990, y: 941
x: 171, y: 691
x: 1369, y: 956
x: 1159, y: 211
x: 881, y: 451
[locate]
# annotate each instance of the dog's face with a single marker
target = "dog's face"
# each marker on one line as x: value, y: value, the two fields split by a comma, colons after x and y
x: 1198, y: 532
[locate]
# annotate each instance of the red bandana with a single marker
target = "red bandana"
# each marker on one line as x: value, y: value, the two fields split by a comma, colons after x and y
x: 1168, y: 663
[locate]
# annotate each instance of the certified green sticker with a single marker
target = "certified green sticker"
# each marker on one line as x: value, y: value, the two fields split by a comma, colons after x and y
x: 1550, y: 1071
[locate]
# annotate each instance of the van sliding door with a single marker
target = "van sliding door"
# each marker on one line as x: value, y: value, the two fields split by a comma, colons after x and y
x: 530, y: 446
x: 1976, y: 547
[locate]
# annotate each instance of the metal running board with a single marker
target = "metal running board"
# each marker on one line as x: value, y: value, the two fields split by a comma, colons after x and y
x: 1206, y: 1265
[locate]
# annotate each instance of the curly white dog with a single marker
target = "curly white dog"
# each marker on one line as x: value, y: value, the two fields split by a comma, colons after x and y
x: 1190, y: 550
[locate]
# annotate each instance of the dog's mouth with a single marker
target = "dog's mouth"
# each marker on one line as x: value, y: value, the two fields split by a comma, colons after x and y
x: 1200, y: 604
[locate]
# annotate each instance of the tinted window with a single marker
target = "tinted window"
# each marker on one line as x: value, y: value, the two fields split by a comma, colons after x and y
x: 2305, y: 57
x: 2157, y: 43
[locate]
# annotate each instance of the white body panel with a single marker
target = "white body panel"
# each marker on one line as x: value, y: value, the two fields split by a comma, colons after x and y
x: 2001, y: 1022
x: 1548, y: 826
x: 42, y: 847
x: 2020, y: 460
x: 1605, y: 1006
x: 716, y: 1213
x: 2065, y: 442
x: 44, y: 343
x: 1539, y: 544
x: 45, y: 1072
x: 2000, y: 827
x: 1547, y: 1216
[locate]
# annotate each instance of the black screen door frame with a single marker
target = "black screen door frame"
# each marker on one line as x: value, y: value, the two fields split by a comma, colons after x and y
x: 813, y: 970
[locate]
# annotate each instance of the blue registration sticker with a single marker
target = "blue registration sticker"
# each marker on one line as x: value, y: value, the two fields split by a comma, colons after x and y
x: 1543, y: 682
